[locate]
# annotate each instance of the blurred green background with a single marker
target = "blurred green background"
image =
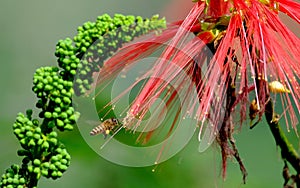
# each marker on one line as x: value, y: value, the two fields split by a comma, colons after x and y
x: 29, y: 32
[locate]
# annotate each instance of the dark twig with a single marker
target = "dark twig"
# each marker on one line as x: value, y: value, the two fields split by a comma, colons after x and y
x: 226, y: 134
x: 288, y: 152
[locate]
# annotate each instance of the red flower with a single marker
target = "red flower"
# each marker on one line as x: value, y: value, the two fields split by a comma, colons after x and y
x: 254, y: 55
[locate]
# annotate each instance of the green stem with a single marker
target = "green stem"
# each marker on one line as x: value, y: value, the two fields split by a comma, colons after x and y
x: 288, y: 152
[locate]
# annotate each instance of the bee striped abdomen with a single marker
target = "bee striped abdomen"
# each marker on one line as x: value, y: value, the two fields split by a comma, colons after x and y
x: 97, y: 130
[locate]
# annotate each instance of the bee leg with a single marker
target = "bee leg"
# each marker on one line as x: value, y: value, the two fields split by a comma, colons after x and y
x: 253, y: 125
x: 104, y: 135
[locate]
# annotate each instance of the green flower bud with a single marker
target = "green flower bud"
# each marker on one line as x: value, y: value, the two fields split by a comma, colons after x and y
x: 57, y: 100
x: 59, y: 174
x: 36, y: 170
x: 69, y: 127
x: 16, y: 181
x: 54, y: 174
x: 67, y: 100
x: 23, y: 141
x: 30, y: 168
x: 59, y: 123
x: 46, y: 164
x: 37, y: 136
x: 38, y: 130
x: 54, y: 158
x: 57, y: 109
x: 31, y: 143
x: 53, y: 134
x: 63, y: 167
x: 52, y: 167
x: 48, y: 115
x: 22, y: 181
x: 36, y: 162
x: 10, y: 180
x: 45, y: 145
x: 29, y: 134
x: 53, y: 141
x: 17, y: 131
x: 44, y: 172
x: 64, y: 115
x: 40, y: 141
x: 55, y: 115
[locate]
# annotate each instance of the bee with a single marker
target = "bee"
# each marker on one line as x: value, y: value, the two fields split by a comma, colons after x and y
x: 253, y: 112
x: 105, y: 127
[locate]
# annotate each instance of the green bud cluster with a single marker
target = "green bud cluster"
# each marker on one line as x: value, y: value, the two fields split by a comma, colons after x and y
x: 13, y: 178
x: 55, y: 98
x: 43, y: 154
x: 96, y: 41
x: 28, y: 132
x: 52, y: 165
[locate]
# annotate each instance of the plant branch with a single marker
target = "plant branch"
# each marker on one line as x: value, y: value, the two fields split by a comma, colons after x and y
x: 288, y: 152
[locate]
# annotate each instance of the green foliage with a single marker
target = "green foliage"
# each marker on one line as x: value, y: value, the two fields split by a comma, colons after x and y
x: 43, y: 154
x: 95, y: 42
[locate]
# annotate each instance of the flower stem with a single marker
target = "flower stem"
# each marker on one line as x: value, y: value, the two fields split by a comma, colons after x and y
x: 288, y: 152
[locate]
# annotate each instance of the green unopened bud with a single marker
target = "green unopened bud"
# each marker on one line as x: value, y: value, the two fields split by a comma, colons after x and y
x: 45, y: 145
x: 57, y: 100
x: 36, y: 170
x: 16, y: 181
x: 44, y: 172
x: 59, y: 123
x: 37, y: 136
x: 46, y: 164
x: 53, y: 134
x: 52, y: 167
x: 29, y: 134
x: 30, y: 168
x: 36, y: 162
x: 48, y: 115
x: 10, y: 180
x: 22, y: 181
x: 31, y: 143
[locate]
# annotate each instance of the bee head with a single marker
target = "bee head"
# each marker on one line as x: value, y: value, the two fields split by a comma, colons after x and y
x: 115, y: 120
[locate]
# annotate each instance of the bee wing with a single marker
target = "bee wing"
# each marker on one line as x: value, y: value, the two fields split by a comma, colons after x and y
x: 92, y: 122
